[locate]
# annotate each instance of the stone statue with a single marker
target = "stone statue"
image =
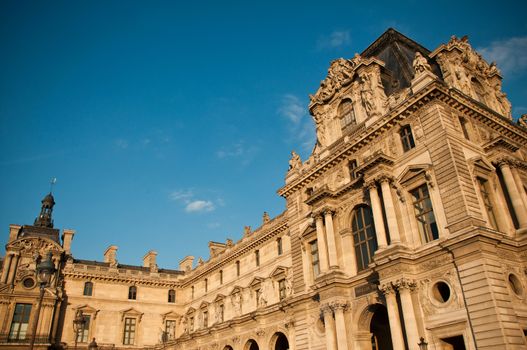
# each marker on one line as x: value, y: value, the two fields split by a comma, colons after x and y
x: 236, y: 301
x: 295, y: 162
x: 265, y: 217
x: 420, y: 64
x: 366, y: 93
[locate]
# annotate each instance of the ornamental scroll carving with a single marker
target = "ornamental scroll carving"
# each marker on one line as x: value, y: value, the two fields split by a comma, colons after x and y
x: 340, y: 73
x: 34, y: 246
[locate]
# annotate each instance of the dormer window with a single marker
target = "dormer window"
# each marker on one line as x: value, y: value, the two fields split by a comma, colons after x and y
x: 346, y: 113
x: 407, y: 139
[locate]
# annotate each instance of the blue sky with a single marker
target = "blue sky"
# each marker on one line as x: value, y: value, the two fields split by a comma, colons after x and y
x: 169, y: 124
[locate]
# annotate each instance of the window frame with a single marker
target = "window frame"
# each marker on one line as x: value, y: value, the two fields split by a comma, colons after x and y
x: 314, y: 258
x: 407, y: 138
x: 347, y: 117
x: 88, y: 289
x: 279, y: 246
x: 129, y: 334
x: 424, y: 227
x: 257, y: 257
x: 132, y: 293
x: 83, y: 334
x: 170, y: 335
x: 486, y: 196
x: 171, y: 296
x: 25, y: 315
x: 364, y: 236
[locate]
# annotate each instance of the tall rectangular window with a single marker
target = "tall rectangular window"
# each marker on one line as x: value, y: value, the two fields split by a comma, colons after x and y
x: 484, y: 190
x: 424, y: 213
x: 407, y: 139
x: 170, y: 329
x: 88, y: 289
x: 313, y: 248
x: 206, y: 285
x: 192, y: 292
x: 282, y: 289
x: 129, y: 331
x: 352, y: 165
x: 83, y: 333
x: 191, y: 323
x: 238, y: 268
x: 205, y: 319
x: 279, y: 246
x: 20, y: 322
x: 221, y: 312
x: 221, y: 276
x: 257, y: 257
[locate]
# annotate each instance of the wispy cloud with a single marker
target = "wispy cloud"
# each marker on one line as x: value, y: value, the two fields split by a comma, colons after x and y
x: 213, y: 225
x: 238, y: 150
x: 301, y: 128
x: 199, y: 206
x: 192, y: 205
x: 121, y: 143
x: 509, y: 54
x: 336, y: 39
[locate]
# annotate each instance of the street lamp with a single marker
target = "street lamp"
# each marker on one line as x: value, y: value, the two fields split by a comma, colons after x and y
x: 423, y: 345
x: 78, y: 324
x: 45, y: 269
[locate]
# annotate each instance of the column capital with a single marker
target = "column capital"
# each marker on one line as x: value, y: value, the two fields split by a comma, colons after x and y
x: 340, y: 305
x: 326, y: 309
x: 385, y: 178
x: 328, y: 211
x: 405, y: 283
x: 371, y: 184
x: 317, y: 215
x: 504, y: 161
x: 387, y: 288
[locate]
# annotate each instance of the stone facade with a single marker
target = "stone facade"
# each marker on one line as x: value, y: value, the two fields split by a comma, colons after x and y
x: 408, y: 220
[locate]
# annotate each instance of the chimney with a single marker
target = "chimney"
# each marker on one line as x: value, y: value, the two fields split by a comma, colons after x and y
x: 13, y: 232
x: 67, y: 237
x: 149, y: 260
x: 110, y: 255
x: 186, y: 264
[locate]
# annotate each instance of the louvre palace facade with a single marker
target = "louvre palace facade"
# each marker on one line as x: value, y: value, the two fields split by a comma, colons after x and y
x: 406, y: 225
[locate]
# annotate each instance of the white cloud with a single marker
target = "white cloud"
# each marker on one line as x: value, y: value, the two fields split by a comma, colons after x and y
x: 183, y: 195
x: 199, y: 206
x: 121, y: 143
x: 334, y: 40
x: 301, y: 128
x: 510, y: 54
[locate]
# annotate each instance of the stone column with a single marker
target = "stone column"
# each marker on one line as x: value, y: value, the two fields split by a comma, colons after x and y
x: 5, y: 270
x: 519, y: 184
x: 512, y: 190
x: 321, y: 242
x: 391, y: 217
x: 12, y: 269
x: 329, y: 323
x: 348, y: 252
x: 340, y: 325
x: 330, y: 233
x: 377, y: 215
x: 393, y: 316
x: 405, y: 288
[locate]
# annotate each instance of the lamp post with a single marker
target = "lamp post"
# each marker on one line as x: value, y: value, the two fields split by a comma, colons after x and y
x: 423, y: 345
x: 45, y: 269
x: 78, y: 324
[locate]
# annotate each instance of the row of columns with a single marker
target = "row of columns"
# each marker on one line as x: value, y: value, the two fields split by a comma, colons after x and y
x: 327, y: 248
x: 405, y: 288
x: 9, y: 269
x: 389, y: 208
x: 335, y: 325
x: 513, y: 185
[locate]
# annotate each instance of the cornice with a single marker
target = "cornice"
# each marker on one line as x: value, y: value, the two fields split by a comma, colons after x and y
x: 436, y: 90
x: 117, y: 278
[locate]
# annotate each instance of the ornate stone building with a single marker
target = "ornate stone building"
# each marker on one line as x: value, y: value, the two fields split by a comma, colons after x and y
x: 408, y: 220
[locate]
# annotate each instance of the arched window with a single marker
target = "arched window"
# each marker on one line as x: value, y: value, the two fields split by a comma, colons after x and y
x: 88, y: 289
x: 132, y: 293
x: 364, y: 238
x: 407, y: 139
x: 346, y: 113
x: 171, y: 296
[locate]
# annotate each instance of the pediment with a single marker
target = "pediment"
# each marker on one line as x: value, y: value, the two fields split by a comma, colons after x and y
x: 204, y: 305
x: 256, y: 281
x: 170, y: 315
x: 219, y: 297
x: 131, y: 312
x: 310, y: 228
x: 279, y: 271
x: 482, y: 164
x: 236, y: 289
x: 87, y: 310
x: 190, y: 311
x: 411, y: 172
x: 30, y: 245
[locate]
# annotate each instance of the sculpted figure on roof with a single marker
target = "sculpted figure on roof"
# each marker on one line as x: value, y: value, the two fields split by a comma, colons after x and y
x: 420, y: 64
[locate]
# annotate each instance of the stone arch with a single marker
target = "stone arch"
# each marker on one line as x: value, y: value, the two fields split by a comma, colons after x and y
x: 227, y: 347
x: 373, y: 327
x: 251, y: 344
x: 279, y: 341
